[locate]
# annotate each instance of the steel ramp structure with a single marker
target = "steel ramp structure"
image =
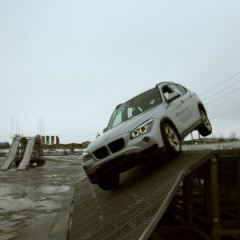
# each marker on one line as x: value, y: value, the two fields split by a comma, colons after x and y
x: 24, y: 151
x: 12, y: 153
x: 27, y: 154
x: 133, y: 210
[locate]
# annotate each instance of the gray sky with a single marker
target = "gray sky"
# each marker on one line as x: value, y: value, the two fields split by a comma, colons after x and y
x: 66, y: 64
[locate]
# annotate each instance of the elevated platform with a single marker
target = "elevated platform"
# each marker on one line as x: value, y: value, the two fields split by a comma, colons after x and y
x: 24, y: 151
x: 134, y: 209
x: 198, y: 190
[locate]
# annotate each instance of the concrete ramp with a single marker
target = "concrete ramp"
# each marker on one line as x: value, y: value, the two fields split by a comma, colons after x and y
x: 12, y: 153
x: 27, y: 154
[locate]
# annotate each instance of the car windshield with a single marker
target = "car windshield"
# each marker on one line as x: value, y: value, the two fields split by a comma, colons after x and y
x: 134, y: 107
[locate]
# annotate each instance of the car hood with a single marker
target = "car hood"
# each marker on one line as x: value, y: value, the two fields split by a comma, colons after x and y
x: 125, y: 127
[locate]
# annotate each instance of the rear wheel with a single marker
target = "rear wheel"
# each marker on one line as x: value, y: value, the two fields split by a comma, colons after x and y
x: 171, y: 138
x: 108, y: 182
x: 205, y: 128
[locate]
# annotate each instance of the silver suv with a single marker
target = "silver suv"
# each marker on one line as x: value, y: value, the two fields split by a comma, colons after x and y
x: 157, y: 119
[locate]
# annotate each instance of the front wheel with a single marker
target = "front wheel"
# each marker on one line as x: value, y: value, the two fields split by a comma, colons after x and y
x: 108, y: 182
x: 171, y: 139
x: 205, y: 128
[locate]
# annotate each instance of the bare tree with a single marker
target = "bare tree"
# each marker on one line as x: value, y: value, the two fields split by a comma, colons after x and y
x: 213, y: 135
x: 233, y: 135
x: 221, y: 135
x: 221, y: 138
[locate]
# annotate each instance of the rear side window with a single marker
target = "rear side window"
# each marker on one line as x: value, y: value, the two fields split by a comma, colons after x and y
x: 182, y: 89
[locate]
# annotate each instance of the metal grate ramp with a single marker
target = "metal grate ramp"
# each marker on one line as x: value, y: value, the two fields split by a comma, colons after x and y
x: 132, y: 210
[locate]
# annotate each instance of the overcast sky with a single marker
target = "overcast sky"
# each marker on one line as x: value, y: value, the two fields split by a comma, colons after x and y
x: 66, y: 64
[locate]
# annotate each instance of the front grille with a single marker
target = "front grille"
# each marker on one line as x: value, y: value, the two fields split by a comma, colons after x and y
x: 116, y: 145
x: 101, y: 153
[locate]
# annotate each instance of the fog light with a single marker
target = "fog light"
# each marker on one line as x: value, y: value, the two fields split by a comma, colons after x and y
x: 146, y: 139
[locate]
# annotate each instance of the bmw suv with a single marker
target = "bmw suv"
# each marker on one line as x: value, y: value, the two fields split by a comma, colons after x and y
x: 156, y: 120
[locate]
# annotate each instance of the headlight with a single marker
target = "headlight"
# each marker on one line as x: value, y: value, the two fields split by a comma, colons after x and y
x: 86, y: 157
x: 142, y: 129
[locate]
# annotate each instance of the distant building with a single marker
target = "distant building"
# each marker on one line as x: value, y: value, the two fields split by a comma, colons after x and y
x: 4, y: 145
x: 50, y: 140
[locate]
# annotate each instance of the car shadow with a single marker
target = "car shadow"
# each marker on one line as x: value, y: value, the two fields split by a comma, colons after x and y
x: 144, y: 170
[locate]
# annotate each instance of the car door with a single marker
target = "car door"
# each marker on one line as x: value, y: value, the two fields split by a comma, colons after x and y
x: 191, y: 103
x: 178, y: 108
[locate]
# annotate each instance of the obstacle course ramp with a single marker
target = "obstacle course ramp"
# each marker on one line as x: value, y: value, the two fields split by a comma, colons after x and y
x: 27, y: 154
x: 133, y: 210
x: 12, y: 153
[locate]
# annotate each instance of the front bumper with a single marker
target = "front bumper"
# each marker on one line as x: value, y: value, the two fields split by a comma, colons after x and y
x: 122, y: 163
x: 133, y: 152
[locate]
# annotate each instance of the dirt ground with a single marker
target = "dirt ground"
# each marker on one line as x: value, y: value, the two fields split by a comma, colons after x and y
x: 30, y: 199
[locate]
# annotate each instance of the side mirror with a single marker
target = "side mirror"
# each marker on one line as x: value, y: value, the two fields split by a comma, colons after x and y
x: 173, y: 96
x: 105, y: 129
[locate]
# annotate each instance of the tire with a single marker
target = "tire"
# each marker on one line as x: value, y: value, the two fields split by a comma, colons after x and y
x: 205, y: 128
x: 171, y: 139
x: 108, y: 182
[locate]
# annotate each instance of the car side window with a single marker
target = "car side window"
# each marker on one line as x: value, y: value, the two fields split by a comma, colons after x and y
x: 176, y: 89
x: 166, y: 92
x: 181, y: 88
x: 170, y: 89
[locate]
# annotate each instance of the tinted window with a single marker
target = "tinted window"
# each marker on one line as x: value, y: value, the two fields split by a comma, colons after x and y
x: 182, y: 89
x: 135, y: 106
x: 172, y: 88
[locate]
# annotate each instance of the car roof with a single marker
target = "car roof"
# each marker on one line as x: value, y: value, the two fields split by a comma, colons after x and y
x: 163, y: 83
x: 156, y: 86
